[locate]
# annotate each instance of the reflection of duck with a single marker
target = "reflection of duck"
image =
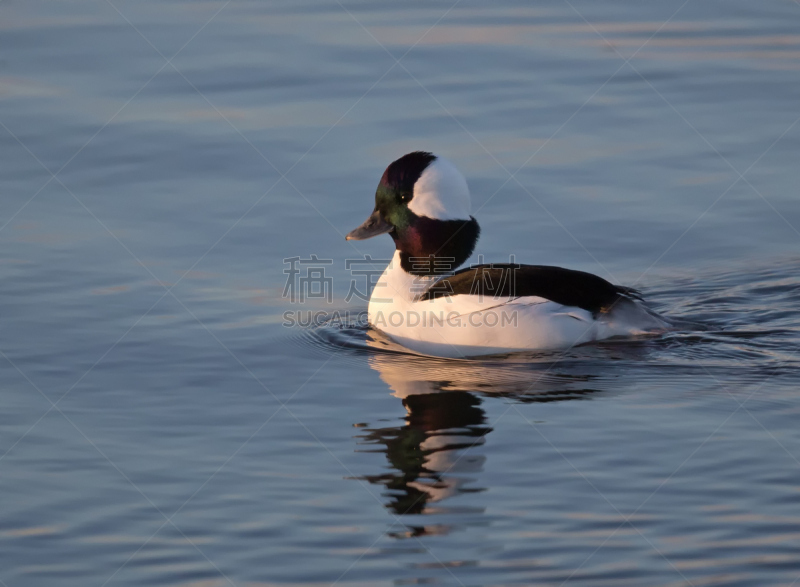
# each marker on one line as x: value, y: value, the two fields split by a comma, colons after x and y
x: 435, y: 454
x: 524, y: 378
x: 428, y: 454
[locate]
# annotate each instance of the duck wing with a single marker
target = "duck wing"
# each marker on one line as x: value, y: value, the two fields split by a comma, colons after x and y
x: 508, y: 280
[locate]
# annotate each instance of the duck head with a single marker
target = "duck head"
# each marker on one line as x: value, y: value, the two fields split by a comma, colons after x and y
x: 423, y: 203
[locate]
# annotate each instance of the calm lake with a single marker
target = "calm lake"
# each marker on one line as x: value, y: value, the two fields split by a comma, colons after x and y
x: 163, y: 161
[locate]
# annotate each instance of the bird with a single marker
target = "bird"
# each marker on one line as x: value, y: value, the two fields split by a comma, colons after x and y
x: 423, y: 303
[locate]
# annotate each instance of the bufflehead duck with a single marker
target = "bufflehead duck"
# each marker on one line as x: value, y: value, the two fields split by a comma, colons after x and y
x: 423, y: 203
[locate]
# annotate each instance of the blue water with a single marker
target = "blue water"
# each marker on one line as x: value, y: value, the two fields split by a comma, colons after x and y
x: 160, y: 425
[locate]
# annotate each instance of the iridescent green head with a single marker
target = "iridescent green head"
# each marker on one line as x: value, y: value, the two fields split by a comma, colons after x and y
x: 423, y: 202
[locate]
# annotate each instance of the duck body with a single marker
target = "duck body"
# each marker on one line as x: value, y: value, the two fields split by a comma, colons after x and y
x: 422, y: 303
x: 482, y: 323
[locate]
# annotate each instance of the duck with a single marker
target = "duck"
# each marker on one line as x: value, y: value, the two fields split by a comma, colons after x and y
x: 426, y: 304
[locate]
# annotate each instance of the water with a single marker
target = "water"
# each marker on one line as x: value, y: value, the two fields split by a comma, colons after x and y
x: 196, y: 441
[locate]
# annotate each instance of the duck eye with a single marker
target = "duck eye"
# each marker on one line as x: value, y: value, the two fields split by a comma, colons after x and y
x: 405, y: 197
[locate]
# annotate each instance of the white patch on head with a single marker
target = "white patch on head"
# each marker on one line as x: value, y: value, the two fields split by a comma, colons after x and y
x: 441, y: 192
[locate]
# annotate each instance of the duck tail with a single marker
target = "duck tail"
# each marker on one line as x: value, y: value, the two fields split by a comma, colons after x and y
x: 630, y: 293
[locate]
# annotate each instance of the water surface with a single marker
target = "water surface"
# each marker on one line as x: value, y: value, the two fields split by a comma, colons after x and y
x: 162, y: 427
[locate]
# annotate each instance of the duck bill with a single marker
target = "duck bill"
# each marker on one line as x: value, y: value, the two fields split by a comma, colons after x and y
x: 373, y: 226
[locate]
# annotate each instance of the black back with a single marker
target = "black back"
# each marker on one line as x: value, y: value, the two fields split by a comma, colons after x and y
x: 563, y: 286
